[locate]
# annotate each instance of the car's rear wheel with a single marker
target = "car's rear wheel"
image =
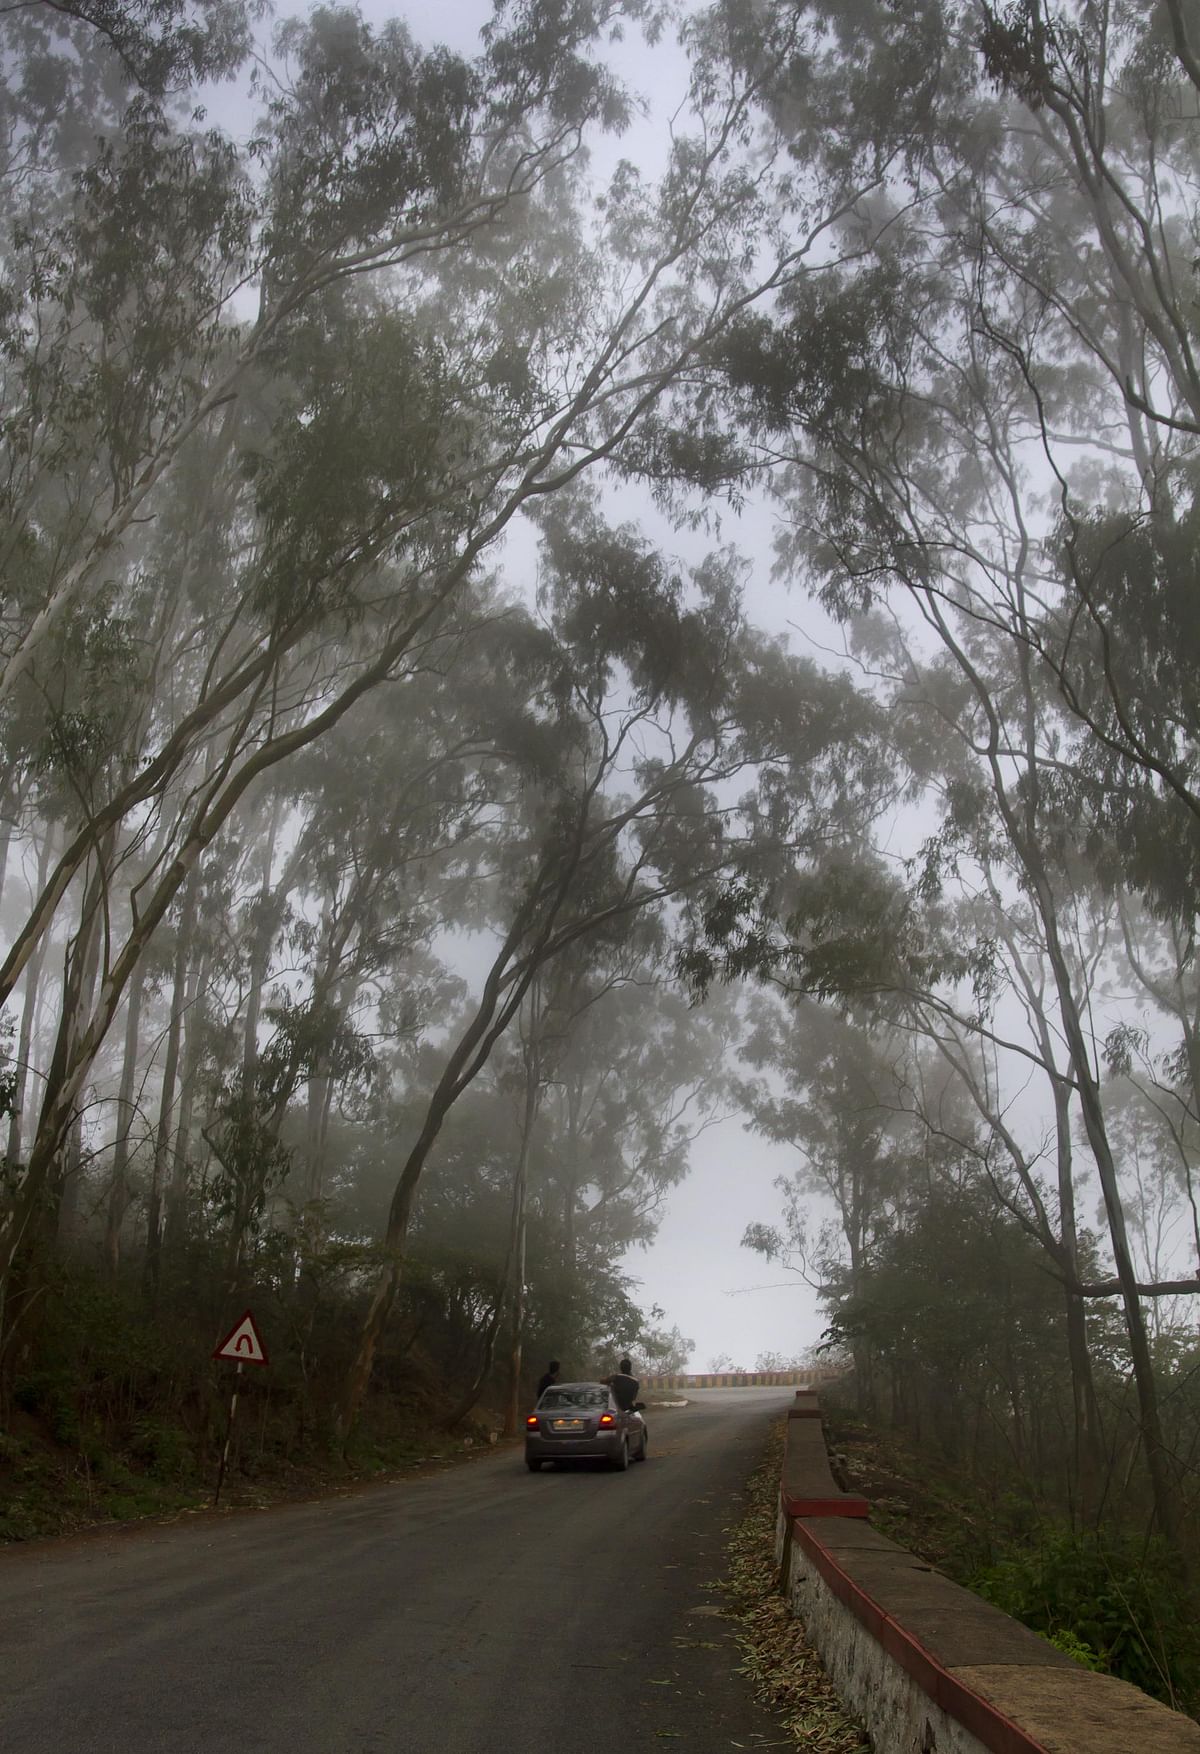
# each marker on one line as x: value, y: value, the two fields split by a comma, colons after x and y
x: 621, y: 1461
x: 641, y: 1455
x: 534, y: 1467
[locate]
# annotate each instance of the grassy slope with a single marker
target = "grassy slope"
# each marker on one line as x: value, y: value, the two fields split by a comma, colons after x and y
x: 57, y: 1483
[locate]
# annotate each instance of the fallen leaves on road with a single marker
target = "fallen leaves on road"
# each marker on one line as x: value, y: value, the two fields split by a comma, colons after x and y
x: 786, y: 1671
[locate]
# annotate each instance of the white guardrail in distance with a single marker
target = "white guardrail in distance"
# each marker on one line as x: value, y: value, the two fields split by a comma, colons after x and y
x: 746, y: 1379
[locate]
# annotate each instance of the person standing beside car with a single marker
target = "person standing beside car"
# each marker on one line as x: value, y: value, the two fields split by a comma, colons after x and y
x: 549, y: 1379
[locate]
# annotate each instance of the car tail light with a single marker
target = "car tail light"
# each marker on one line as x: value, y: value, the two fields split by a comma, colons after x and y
x: 532, y: 1422
x: 607, y: 1419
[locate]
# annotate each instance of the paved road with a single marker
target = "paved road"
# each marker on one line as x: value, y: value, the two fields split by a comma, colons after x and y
x: 483, y: 1610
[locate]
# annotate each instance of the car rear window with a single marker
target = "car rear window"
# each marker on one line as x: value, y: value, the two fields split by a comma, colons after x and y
x: 574, y: 1398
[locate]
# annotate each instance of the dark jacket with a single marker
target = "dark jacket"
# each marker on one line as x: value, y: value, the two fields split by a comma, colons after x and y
x: 546, y: 1382
x: 624, y: 1388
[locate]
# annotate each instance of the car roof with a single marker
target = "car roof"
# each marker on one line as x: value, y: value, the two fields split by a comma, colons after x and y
x: 578, y: 1385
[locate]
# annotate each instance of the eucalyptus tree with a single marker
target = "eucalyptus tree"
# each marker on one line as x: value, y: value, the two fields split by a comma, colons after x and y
x: 1006, y: 721
x: 630, y: 1077
x: 1007, y: 365
x: 834, y: 1093
x: 1165, y: 1073
x: 655, y: 698
x: 633, y: 1075
x: 964, y: 1328
x: 368, y: 854
x: 983, y: 1044
x: 415, y: 242
x: 159, y: 48
x: 604, y: 1080
x: 407, y: 204
x: 904, y: 1135
x: 601, y: 835
x: 979, y: 742
x: 1011, y: 344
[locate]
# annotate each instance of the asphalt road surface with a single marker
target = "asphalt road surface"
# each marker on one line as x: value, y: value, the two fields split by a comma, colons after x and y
x: 482, y: 1610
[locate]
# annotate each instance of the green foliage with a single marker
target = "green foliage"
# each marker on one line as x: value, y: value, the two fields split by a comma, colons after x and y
x: 1113, y: 1603
x: 662, y: 1351
x: 843, y: 929
x: 1071, y: 1645
x: 374, y: 133
x: 363, y: 440
x: 165, y: 45
x: 51, y: 1393
x: 163, y: 1448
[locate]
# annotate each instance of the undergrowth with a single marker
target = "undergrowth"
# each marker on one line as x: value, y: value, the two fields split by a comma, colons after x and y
x: 120, y: 1419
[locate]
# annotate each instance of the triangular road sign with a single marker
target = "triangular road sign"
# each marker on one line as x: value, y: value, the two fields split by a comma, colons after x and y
x: 243, y: 1343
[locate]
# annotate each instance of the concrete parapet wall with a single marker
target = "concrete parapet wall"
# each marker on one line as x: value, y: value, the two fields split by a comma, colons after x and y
x: 926, y: 1665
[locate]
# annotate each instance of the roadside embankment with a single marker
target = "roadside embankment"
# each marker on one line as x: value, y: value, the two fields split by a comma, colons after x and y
x: 929, y: 1667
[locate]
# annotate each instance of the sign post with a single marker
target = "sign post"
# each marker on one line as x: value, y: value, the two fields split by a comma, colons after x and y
x: 243, y: 1344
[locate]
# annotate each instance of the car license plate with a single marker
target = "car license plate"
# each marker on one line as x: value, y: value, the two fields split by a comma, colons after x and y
x: 568, y: 1425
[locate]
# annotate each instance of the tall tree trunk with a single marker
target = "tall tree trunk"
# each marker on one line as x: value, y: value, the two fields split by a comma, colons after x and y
x: 516, y: 1353
x: 6, y: 834
x: 119, y: 1190
x: 533, y: 1094
x: 32, y: 1223
x: 17, y: 791
x: 1021, y: 821
x: 260, y: 951
x: 1159, y: 1461
x: 175, y: 1229
x: 64, y: 1182
x: 166, y: 1106
x: 320, y: 1104
x: 320, y: 1083
x: 493, y: 1014
x: 33, y: 978
x: 570, y: 1193
x: 1085, y: 1407
x: 491, y: 1332
x: 1088, y: 1440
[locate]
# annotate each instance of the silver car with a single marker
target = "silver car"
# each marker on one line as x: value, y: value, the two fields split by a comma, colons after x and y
x: 575, y: 1421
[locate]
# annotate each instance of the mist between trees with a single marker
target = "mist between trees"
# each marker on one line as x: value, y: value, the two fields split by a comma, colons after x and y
x: 291, y: 739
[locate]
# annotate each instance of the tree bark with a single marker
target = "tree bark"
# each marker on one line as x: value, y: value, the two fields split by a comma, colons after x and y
x: 166, y: 1105
x: 175, y: 1229
x: 63, y: 1181
x: 260, y: 951
x: 533, y: 1093
x: 492, y: 1330
x: 32, y: 1226
x: 1085, y: 1407
x: 119, y: 1190
x: 33, y: 977
x: 470, y: 1055
x: 1021, y: 825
